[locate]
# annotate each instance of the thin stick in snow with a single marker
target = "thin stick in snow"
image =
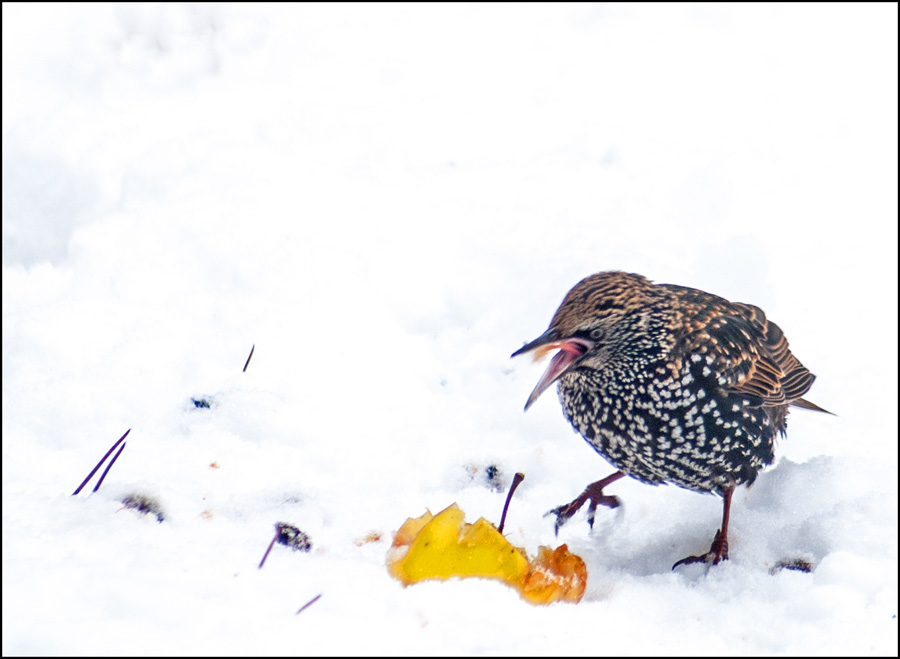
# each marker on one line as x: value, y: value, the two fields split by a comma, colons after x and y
x: 308, y: 604
x: 102, y: 460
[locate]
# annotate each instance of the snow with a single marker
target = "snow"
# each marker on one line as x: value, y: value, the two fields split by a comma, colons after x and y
x: 387, y: 201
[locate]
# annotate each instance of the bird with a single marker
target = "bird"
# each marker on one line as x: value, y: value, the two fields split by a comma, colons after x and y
x: 670, y: 385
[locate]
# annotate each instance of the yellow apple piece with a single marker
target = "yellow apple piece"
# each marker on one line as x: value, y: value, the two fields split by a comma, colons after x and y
x: 443, y: 546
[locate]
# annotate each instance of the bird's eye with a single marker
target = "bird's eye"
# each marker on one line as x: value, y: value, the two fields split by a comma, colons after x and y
x: 597, y: 333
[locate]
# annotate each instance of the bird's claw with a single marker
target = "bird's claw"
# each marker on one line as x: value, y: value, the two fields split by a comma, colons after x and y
x: 564, y: 513
x: 717, y: 553
x: 591, y: 494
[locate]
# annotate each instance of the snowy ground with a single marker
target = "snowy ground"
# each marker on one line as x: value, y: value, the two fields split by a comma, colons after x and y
x: 387, y: 201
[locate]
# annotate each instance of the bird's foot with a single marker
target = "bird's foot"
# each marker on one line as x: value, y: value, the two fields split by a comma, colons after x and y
x: 592, y: 493
x: 717, y: 553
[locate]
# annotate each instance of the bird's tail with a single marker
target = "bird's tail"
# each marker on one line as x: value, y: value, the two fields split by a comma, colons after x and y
x: 806, y: 405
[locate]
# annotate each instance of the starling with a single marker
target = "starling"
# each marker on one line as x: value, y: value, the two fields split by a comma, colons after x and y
x: 670, y: 385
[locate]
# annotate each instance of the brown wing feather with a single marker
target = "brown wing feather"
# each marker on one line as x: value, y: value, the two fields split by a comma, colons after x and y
x: 751, y: 355
x: 742, y: 362
x: 797, y: 380
x: 755, y: 358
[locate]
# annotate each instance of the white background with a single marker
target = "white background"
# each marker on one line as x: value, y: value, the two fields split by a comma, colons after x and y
x: 387, y: 201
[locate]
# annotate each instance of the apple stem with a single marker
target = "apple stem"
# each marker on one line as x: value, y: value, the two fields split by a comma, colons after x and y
x: 518, y: 478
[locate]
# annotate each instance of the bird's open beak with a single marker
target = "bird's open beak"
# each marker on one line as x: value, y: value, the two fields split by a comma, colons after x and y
x: 569, y: 351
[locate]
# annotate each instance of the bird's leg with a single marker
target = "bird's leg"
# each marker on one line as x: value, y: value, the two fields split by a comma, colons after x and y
x: 718, y: 551
x: 592, y: 493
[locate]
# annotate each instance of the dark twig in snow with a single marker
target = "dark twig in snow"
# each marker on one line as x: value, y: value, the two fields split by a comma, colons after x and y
x: 266, y: 555
x: 109, y: 466
x: 102, y: 460
x: 308, y: 604
x: 252, y: 348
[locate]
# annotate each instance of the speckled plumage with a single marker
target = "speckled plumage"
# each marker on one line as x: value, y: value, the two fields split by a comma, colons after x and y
x: 670, y: 385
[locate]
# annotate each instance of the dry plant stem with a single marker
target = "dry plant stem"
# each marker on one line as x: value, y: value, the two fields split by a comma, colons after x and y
x: 308, y: 604
x: 109, y: 466
x: 518, y: 478
x: 102, y: 460
x: 246, y: 363
x: 266, y: 555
